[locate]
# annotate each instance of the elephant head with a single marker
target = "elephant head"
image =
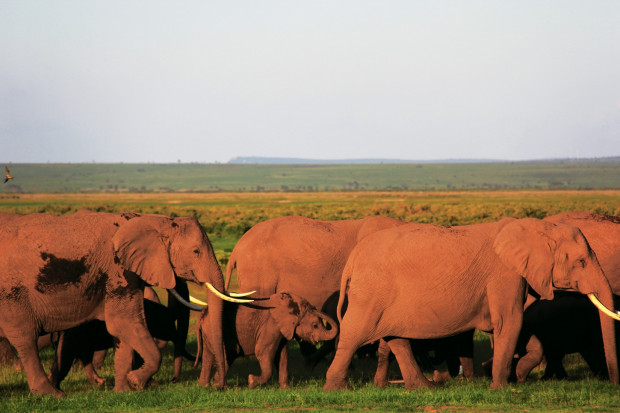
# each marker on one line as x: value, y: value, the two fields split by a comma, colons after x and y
x: 557, y: 256
x: 296, y: 317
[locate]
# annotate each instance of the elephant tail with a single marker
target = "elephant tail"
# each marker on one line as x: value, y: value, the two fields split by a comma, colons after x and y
x: 232, y: 264
x: 344, y: 289
x: 198, y: 343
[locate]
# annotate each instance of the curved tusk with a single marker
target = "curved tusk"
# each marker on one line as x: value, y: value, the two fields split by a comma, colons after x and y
x: 187, y: 304
x: 238, y: 295
x: 197, y: 301
x: 226, y: 297
x: 603, y: 309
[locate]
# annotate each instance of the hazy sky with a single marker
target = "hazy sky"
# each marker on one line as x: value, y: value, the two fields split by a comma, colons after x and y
x: 205, y: 81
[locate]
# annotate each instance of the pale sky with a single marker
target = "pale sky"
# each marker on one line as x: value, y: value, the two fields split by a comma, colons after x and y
x: 206, y: 81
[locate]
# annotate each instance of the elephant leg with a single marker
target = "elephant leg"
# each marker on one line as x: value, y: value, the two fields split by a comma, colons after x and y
x: 123, y: 357
x: 181, y: 314
x: 351, y: 338
x: 63, y: 360
x: 283, y: 377
x: 466, y: 353
x: 265, y: 354
x: 94, y: 378
x: 99, y: 358
x: 383, y: 363
x: 134, y: 337
x: 411, y: 371
x: 208, y: 359
x: 554, y: 367
x: 28, y: 352
x: 532, y: 358
x: 506, y: 318
x: 468, y: 367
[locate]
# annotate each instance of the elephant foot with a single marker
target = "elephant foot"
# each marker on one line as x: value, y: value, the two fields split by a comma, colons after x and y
x: 336, y: 385
x: 48, y: 389
x: 175, y: 379
x: 380, y: 382
x: 420, y: 384
x: 441, y: 376
x: 496, y: 385
x: 98, y: 381
x: 253, y: 381
x: 135, y: 381
x: 121, y: 386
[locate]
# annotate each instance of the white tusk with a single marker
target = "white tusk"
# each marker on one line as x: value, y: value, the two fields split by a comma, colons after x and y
x: 195, y: 307
x: 237, y: 295
x: 603, y: 309
x: 225, y: 297
x: 197, y: 301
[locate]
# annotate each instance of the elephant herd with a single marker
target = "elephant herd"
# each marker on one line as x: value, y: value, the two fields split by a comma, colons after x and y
x: 349, y: 283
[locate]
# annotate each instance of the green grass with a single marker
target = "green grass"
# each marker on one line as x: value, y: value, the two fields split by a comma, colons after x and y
x: 583, y: 393
x: 57, y: 178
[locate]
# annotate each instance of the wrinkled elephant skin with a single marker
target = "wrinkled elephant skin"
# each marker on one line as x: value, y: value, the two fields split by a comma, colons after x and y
x: 89, y: 266
x: 424, y: 281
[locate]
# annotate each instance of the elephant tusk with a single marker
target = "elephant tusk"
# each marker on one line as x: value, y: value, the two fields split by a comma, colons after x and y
x: 187, y: 304
x: 226, y: 297
x: 197, y: 301
x: 603, y: 309
x: 239, y: 295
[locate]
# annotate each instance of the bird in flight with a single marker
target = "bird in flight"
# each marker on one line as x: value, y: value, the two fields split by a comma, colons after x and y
x: 8, y: 174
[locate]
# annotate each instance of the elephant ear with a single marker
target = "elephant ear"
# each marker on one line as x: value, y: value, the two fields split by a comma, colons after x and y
x: 526, y: 247
x: 286, y: 312
x: 140, y: 248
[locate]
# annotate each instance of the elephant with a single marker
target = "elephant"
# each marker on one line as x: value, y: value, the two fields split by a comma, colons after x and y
x: 83, y: 341
x: 301, y: 256
x: 262, y: 331
x: 456, y: 351
x: 426, y: 281
x: 553, y: 328
x: 57, y: 272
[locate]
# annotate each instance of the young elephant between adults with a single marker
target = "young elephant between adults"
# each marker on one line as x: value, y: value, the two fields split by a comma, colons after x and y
x: 553, y: 328
x: 426, y: 281
x: 262, y: 330
x: 59, y: 272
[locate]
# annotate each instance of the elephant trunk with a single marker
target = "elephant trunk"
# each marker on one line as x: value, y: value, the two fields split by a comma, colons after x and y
x: 216, y: 312
x: 332, y: 332
x: 602, y: 291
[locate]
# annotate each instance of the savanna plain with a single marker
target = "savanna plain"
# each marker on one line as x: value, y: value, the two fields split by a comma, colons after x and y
x: 226, y: 216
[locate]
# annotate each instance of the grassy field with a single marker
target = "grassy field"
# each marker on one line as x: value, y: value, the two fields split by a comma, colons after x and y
x: 226, y: 216
x: 37, y: 178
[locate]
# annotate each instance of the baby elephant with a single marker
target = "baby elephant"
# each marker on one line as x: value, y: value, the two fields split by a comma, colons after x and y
x: 553, y: 328
x: 262, y: 331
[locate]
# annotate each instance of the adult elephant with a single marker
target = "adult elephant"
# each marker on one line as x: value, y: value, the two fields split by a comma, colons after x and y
x: 59, y: 272
x: 302, y: 256
x: 426, y: 281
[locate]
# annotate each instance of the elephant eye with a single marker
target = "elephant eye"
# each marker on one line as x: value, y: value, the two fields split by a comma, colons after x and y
x: 197, y: 251
x: 582, y: 262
